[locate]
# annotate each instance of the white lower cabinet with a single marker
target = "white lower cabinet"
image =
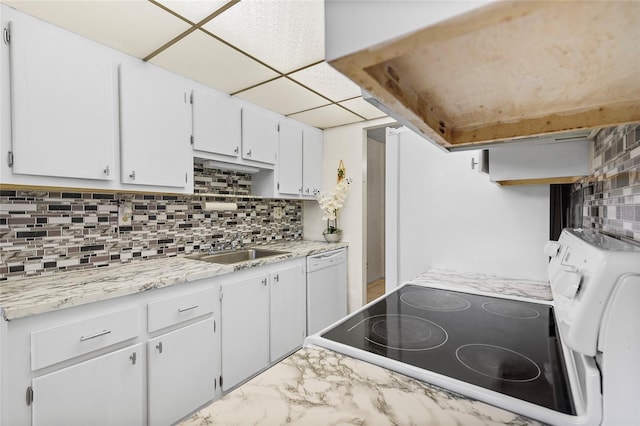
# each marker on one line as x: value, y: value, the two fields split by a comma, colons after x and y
x: 183, y: 373
x: 287, y: 311
x: 263, y: 319
x: 107, y: 390
x: 244, y: 311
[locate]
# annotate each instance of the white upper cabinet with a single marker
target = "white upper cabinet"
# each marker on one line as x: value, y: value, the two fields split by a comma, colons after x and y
x: 259, y: 135
x: 155, y: 127
x: 298, y: 172
x: 63, y: 93
x: 216, y: 124
x: 312, y: 157
x: 544, y: 162
x: 289, y: 160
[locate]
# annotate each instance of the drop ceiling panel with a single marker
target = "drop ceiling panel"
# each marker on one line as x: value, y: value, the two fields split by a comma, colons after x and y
x: 207, y: 60
x: 136, y: 27
x: 326, y: 80
x: 363, y: 108
x: 283, y: 96
x: 327, y: 116
x: 286, y: 34
x: 193, y: 10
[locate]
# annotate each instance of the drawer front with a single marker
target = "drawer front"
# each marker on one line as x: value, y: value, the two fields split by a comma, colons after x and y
x: 56, y: 344
x: 175, y: 310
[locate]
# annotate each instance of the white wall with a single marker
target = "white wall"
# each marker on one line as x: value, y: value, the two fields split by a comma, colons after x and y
x: 375, y: 210
x: 452, y: 217
x: 346, y: 143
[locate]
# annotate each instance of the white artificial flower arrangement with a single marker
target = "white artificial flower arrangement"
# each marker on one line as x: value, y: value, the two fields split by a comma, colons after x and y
x: 332, y: 201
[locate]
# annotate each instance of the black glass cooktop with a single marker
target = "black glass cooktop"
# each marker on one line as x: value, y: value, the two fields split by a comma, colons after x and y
x: 504, y: 345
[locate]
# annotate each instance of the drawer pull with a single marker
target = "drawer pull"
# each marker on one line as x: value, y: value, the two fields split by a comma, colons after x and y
x: 93, y: 336
x: 159, y: 347
x: 187, y: 309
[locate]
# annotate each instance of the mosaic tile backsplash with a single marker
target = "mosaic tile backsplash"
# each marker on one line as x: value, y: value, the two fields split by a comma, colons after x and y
x: 611, y: 195
x: 44, y: 232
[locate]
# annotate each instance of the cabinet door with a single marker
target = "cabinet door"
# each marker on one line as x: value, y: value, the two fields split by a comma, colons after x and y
x: 183, y: 368
x: 290, y: 159
x: 106, y: 390
x: 216, y: 124
x: 245, y: 329
x: 156, y: 147
x: 312, y: 157
x: 287, y: 311
x: 63, y: 104
x: 259, y: 135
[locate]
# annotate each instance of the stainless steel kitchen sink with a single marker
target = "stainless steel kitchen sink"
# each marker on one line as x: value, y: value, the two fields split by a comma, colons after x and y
x: 235, y: 256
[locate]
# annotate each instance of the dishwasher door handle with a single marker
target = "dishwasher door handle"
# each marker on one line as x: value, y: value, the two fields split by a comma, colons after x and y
x: 326, y: 256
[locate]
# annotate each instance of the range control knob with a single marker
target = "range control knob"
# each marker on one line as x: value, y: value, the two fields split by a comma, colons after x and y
x: 568, y: 282
x: 551, y: 248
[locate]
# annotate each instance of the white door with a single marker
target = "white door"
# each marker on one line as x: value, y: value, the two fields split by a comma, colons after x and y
x: 287, y: 311
x: 216, y: 124
x: 156, y: 147
x: 312, y: 157
x: 63, y: 104
x: 245, y: 329
x: 107, y: 390
x: 259, y: 135
x: 183, y: 369
x: 290, y: 160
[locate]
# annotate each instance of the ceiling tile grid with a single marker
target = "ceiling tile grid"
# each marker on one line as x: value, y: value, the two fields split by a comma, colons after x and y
x: 268, y: 52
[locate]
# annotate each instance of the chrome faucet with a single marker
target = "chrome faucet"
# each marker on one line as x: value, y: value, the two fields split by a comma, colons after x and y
x: 237, y: 240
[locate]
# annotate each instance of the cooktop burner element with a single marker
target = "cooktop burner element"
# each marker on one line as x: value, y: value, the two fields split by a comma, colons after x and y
x: 493, y: 343
x: 498, y: 363
x: 406, y: 333
x: 435, y: 300
x: 510, y: 310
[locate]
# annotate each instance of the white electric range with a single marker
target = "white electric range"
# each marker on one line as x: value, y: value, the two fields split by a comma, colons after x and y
x: 574, y: 361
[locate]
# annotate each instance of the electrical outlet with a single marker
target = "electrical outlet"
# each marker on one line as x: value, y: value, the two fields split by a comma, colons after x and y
x: 278, y: 213
x: 125, y: 214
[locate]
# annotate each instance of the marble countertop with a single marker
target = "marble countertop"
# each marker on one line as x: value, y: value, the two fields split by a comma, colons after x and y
x: 487, y: 284
x: 316, y: 386
x: 31, y: 296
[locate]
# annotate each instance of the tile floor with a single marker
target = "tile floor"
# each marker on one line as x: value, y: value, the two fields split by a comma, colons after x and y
x: 375, y: 289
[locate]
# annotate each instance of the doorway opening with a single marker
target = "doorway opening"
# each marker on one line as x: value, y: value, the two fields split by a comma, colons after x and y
x: 374, y: 199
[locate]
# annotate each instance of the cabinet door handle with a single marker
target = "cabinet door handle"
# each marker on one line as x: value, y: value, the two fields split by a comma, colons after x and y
x: 264, y: 282
x: 187, y: 309
x: 93, y: 336
x: 237, y: 150
x: 159, y: 347
x: 133, y: 175
x: 307, y: 191
x: 249, y: 153
x: 276, y: 278
x: 107, y: 171
x: 133, y: 357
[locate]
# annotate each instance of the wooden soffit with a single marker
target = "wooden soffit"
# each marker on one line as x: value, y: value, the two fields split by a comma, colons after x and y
x: 512, y: 69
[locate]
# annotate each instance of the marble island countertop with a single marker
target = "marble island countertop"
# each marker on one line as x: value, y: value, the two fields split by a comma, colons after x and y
x: 316, y: 386
x: 481, y: 283
x: 31, y: 296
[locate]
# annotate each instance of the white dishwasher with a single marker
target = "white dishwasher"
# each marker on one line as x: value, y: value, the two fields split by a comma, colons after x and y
x: 326, y: 289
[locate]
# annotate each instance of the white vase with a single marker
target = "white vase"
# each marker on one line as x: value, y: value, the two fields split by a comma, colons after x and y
x: 333, y: 238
